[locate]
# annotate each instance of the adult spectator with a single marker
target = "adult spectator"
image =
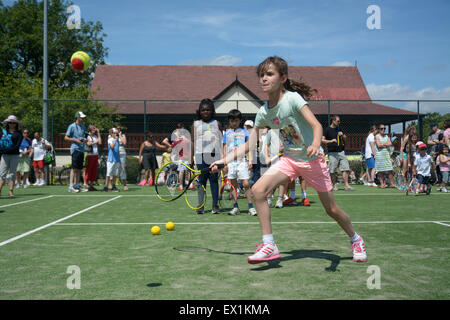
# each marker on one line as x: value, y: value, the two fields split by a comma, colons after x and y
x: 383, y: 164
x: 370, y: 154
x: 76, y: 134
x: 147, y: 157
x: 334, y: 138
x: 26, y: 152
x: 11, y: 156
x: 447, y: 132
x: 435, y: 139
x: 94, y: 139
x: 40, y: 145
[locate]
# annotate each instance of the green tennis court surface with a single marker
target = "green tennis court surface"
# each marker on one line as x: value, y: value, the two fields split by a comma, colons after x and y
x: 52, y: 242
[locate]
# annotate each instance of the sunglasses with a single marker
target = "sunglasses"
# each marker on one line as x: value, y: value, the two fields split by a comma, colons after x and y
x: 382, y: 128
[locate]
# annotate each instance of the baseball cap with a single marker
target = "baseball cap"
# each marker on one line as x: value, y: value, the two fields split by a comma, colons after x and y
x: 419, y: 142
x: 433, y: 125
x: 248, y: 123
x: 80, y: 114
x: 422, y: 146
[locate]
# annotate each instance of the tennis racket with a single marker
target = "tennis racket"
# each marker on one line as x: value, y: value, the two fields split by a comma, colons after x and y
x: 227, y: 193
x: 173, y: 188
x: 412, y: 186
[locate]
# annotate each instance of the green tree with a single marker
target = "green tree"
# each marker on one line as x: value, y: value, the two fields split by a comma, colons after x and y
x: 21, y: 95
x: 21, y: 42
x: 431, y: 118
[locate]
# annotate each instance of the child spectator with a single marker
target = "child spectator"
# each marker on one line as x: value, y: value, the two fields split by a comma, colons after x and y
x: 94, y: 139
x: 444, y: 165
x: 26, y: 152
x: 113, y: 162
x: 239, y: 168
x: 40, y: 145
x: 422, y: 168
x: 206, y: 133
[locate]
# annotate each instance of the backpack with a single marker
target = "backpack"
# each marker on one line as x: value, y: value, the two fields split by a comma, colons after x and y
x: 5, y: 141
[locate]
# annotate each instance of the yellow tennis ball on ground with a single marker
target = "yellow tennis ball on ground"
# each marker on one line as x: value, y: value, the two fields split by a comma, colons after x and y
x: 170, y: 225
x: 80, y: 60
x: 156, y: 230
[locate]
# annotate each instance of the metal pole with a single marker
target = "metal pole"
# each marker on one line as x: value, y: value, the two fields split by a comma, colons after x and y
x: 145, y: 116
x: 45, y: 82
x: 419, y: 121
x: 329, y: 108
x: 45, y: 77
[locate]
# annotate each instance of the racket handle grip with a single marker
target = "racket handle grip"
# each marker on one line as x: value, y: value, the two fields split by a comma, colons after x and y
x: 207, y: 170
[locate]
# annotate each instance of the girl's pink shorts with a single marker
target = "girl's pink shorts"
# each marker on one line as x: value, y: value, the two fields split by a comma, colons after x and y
x: 315, y: 172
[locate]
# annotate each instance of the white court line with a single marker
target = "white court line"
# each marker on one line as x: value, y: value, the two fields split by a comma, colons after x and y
x: 312, y: 194
x: 21, y: 202
x: 233, y: 223
x: 55, y: 222
x: 444, y: 224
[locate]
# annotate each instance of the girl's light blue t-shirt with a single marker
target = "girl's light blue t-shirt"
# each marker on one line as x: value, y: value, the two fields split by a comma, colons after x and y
x: 294, y: 131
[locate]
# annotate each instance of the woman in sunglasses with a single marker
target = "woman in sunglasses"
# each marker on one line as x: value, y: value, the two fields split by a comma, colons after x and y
x: 383, y: 164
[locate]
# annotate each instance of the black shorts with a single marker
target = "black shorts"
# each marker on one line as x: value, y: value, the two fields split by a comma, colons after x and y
x: 77, y: 160
x: 423, y: 179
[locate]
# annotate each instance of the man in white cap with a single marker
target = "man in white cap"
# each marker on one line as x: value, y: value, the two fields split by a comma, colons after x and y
x: 76, y: 134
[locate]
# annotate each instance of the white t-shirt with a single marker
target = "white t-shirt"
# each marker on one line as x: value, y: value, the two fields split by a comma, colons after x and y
x: 39, y: 149
x: 274, y: 143
x: 370, y: 138
x: 423, y: 165
x: 94, y: 151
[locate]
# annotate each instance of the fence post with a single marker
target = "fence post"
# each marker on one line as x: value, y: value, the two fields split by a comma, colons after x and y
x: 329, y: 112
x: 145, y: 115
x: 419, y: 120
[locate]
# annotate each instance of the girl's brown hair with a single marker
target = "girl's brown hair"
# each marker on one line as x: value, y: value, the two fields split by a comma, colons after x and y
x: 281, y: 65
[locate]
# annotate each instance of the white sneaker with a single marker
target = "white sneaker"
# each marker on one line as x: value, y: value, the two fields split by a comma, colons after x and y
x: 72, y: 189
x: 17, y: 186
x: 42, y: 183
x: 234, y: 211
x: 269, y: 202
x: 279, y: 203
x: 36, y: 183
x: 252, y: 212
x: 359, y: 251
x: 264, y: 252
x: 26, y: 185
x: 444, y: 189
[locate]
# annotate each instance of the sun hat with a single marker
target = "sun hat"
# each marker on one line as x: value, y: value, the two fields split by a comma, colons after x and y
x: 12, y: 118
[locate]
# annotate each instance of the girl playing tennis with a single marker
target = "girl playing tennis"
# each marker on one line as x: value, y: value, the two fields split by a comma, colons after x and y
x: 287, y: 107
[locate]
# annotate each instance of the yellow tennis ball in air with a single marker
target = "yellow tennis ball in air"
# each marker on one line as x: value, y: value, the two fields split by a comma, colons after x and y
x: 156, y: 230
x: 170, y: 225
x: 80, y: 60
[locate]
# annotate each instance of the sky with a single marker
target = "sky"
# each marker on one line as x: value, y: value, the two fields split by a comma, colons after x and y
x: 402, y: 49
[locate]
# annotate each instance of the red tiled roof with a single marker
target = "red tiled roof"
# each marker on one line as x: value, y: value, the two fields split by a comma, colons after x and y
x: 199, y: 82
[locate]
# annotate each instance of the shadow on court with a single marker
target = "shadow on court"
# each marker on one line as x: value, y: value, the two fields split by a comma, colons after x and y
x: 301, y: 254
x: 285, y: 256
